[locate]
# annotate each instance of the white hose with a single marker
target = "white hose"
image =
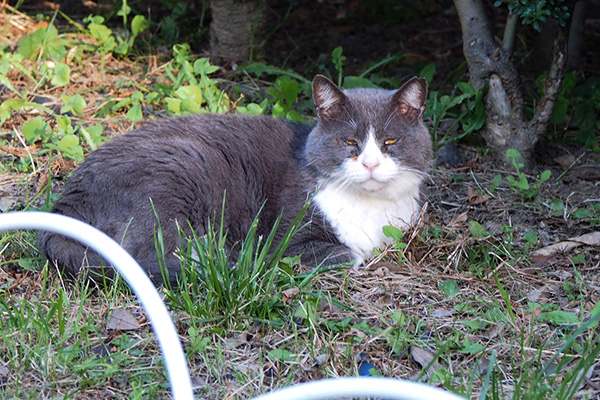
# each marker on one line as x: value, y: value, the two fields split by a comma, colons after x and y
x: 177, y: 369
x: 342, y: 388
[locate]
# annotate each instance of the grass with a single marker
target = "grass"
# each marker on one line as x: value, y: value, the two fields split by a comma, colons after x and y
x: 462, y: 302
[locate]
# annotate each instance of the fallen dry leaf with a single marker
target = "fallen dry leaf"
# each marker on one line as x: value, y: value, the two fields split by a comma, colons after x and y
x: 3, y: 371
x: 425, y: 359
x: 475, y: 197
x: 289, y: 294
x: 237, y: 341
x: 590, y: 239
x: 588, y: 174
x: 459, y: 220
x: 443, y: 312
x: 122, y: 320
x: 386, y: 267
x: 565, y: 160
x: 482, y: 366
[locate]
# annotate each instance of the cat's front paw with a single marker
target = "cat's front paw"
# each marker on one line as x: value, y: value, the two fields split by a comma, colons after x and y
x: 359, y: 261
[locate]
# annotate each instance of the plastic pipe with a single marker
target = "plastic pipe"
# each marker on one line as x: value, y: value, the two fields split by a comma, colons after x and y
x: 177, y: 369
x: 341, y: 388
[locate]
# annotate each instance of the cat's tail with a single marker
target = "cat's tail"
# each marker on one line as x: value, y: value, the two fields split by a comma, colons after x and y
x: 73, y: 258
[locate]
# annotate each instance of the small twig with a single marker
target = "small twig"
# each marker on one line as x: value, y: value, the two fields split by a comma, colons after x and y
x: 35, y: 169
x: 569, y: 168
x: 18, y: 282
x: 484, y: 190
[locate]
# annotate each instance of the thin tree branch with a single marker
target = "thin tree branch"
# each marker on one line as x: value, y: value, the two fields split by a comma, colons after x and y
x: 510, y: 32
x: 552, y: 86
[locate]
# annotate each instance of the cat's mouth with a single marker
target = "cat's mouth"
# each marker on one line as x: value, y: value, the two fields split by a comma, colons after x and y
x: 371, y: 184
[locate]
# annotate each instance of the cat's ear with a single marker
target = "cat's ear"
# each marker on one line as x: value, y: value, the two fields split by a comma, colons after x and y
x: 328, y: 98
x: 411, y: 97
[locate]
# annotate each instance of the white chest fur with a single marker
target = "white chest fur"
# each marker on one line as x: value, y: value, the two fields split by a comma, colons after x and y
x: 358, y: 217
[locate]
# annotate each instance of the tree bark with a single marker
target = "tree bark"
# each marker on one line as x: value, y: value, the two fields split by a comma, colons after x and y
x: 489, y: 63
x: 576, y: 35
x: 237, y: 28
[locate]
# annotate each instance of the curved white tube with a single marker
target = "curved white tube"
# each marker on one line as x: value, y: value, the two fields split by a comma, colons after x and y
x: 177, y: 369
x: 340, y: 388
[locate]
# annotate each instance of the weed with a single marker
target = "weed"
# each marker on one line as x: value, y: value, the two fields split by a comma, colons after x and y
x: 247, y: 287
x: 338, y: 61
x: 107, y: 40
x: 521, y: 185
x: 193, y: 90
x: 44, y: 43
x: 289, y: 96
x: 449, y: 112
x: 578, y: 103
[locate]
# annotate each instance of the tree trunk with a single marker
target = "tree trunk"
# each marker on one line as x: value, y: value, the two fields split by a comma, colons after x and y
x: 576, y: 35
x: 236, y: 28
x: 489, y: 63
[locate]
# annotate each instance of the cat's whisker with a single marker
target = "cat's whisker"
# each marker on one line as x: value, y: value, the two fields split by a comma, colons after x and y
x: 389, y: 119
x: 350, y: 122
x: 414, y: 170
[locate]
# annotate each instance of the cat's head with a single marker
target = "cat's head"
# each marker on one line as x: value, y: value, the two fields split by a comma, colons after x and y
x: 371, y: 140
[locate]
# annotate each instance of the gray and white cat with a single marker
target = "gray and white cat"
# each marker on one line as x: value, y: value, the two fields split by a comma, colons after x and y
x: 364, y: 161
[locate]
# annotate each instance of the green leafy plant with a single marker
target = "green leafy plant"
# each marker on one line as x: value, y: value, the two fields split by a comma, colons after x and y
x: 398, y: 244
x: 338, y: 61
x: 43, y: 43
x: 290, y: 95
x: 520, y: 184
x: 578, y: 102
x: 463, y: 109
x: 283, y: 96
x: 107, y: 40
x: 535, y: 12
x: 192, y: 90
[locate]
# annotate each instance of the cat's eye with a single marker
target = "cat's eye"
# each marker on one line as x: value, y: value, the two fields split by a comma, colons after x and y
x: 350, y: 142
x: 390, y: 141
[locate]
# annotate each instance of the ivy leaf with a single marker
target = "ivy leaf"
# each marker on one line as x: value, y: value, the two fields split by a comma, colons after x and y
x: 393, y: 232
x: 477, y: 230
x: 34, y: 129
x: 139, y: 24
x: 75, y: 104
x: 135, y: 113
x: 62, y: 75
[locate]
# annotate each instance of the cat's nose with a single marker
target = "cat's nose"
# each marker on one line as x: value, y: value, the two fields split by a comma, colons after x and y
x: 370, y: 164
